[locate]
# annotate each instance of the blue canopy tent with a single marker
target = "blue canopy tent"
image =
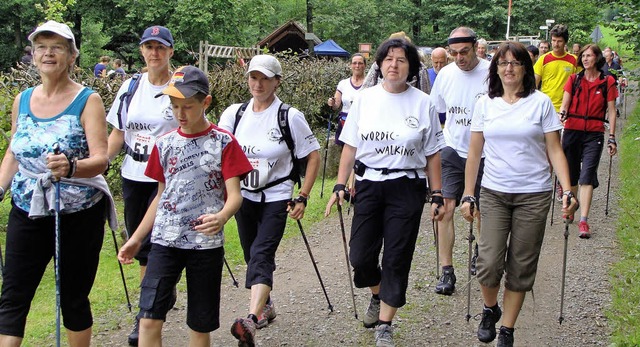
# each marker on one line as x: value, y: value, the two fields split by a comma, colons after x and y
x: 330, y: 48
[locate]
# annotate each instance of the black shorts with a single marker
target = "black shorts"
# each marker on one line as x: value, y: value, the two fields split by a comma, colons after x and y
x: 453, y: 166
x: 204, y: 275
x: 583, y: 150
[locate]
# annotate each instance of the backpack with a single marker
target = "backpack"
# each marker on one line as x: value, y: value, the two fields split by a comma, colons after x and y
x: 126, y: 97
x: 299, y: 165
x: 576, y: 87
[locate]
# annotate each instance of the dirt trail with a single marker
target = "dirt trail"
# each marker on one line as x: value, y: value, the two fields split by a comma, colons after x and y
x: 428, y: 319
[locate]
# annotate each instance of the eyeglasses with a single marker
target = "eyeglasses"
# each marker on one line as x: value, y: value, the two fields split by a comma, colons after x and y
x: 357, y: 63
x: 55, y: 49
x: 513, y: 63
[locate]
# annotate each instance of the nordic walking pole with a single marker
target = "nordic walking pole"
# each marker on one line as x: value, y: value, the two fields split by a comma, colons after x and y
x: 471, y: 238
x: 564, y: 268
x: 313, y: 261
x: 346, y: 255
x: 235, y: 283
x: 434, y: 224
x: 553, y: 197
x: 124, y: 282
x: 606, y: 208
x: 326, y: 152
x: 56, y: 255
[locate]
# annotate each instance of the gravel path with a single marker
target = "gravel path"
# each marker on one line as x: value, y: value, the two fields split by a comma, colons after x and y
x: 428, y: 319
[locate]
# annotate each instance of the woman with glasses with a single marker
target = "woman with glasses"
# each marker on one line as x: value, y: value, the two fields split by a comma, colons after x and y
x: 517, y: 128
x: 347, y: 90
x: 59, y: 134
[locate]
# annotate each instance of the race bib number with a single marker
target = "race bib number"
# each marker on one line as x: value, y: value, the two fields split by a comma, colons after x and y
x: 257, y: 178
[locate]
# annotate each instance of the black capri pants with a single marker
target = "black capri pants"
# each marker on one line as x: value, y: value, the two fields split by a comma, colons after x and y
x: 137, y: 197
x: 30, y: 247
x: 260, y: 228
x: 387, y: 214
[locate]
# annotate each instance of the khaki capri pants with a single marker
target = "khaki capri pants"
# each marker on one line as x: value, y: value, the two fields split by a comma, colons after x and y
x: 513, y: 226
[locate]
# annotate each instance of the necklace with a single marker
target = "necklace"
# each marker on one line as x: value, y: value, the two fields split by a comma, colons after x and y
x: 511, y: 99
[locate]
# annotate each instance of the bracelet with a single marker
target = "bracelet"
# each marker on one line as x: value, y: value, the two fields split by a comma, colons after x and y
x: 305, y: 195
x: 73, y: 165
x: 339, y: 187
x: 2, y: 193
x: 436, y: 191
x: 612, y: 135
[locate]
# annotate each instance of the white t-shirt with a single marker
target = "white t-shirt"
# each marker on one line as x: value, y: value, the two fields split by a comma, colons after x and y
x: 259, y: 136
x: 455, y: 93
x: 515, y: 150
x: 393, y: 131
x: 147, y: 118
x: 348, y: 92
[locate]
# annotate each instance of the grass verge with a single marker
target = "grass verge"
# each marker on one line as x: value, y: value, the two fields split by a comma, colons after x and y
x: 624, y: 315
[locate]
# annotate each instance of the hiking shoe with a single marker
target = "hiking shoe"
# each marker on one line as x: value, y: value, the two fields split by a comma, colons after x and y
x: 487, y: 327
x: 373, y: 311
x: 571, y: 217
x: 268, y: 314
x: 505, y: 339
x: 474, y: 260
x: 559, y: 192
x: 244, y: 329
x: 584, y: 230
x: 447, y: 283
x: 135, y: 333
x: 384, y: 336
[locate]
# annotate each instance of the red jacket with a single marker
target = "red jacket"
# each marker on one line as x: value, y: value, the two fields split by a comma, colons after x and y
x: 588, y: 100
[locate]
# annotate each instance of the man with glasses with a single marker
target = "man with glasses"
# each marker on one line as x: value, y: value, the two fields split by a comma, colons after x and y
x: 455, y: 92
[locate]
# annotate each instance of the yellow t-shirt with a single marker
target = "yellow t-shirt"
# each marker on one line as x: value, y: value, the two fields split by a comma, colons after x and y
x: 554, y: 72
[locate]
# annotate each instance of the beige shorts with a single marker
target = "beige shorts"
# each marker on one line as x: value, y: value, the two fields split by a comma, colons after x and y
x: 513, y: 226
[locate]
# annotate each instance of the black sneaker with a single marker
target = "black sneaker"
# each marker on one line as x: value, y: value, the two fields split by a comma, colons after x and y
x: 135, y: 333
x: 487, y: 327
x: 447, y: 283
x: 474, y: 260
x: 505, y: 339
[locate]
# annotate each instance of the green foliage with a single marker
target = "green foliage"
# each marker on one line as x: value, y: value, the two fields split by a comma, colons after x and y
x: 624, y: 315
x: 627, y: 22
x: 94, y: 39
x: 55, y: 10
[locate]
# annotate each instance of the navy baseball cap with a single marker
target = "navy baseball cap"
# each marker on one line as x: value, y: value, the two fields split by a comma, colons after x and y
x: 186, y: 82
x: 157, y: 33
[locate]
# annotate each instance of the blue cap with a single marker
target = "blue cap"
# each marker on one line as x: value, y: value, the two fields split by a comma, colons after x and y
x: 157, y: 33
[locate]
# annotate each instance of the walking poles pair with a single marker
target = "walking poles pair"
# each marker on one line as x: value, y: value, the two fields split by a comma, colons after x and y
x: 313, y: 261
